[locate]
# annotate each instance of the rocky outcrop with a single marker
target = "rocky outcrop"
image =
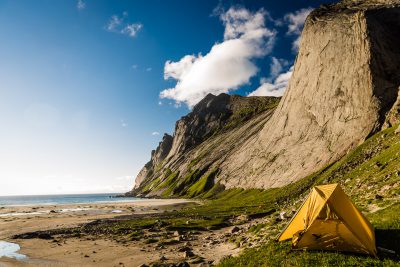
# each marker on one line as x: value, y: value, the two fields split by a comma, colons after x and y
x: 203, y: 139
x: 344, y: 88
x: 157, y: 157
x: 345, y: 81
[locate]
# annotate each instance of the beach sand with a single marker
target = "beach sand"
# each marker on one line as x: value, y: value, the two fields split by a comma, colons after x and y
x: 86, y: 251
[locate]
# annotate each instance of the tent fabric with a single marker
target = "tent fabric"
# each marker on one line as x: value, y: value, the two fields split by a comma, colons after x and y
x: 328, y: 220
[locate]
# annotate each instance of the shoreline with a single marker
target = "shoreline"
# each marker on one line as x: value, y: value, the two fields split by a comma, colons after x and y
x: 34, y: 205
x: 24, y: 219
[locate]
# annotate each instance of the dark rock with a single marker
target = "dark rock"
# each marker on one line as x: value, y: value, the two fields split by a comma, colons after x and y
x: 234, y: 229
x: 188, y: 254
x: 44, y: 236
x: 183, y: 249
x: 183, y: 264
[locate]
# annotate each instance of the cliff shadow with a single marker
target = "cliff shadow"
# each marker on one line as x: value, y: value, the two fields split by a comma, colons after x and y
x: 383, y: 27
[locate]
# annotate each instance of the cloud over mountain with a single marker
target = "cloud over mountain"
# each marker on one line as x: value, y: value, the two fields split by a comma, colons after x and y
x: 228, y: 64
x: 294, y: 22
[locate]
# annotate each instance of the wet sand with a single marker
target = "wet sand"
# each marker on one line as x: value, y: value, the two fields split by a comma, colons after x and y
x: 86, y: 251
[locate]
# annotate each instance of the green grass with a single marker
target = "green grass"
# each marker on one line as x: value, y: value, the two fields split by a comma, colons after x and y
x: 275, y: 253
x: 204, y: 184
x: 363, y: 173
x: 369, y: 170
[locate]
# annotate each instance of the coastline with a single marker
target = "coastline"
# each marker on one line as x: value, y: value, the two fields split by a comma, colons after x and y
x: 79, y: 250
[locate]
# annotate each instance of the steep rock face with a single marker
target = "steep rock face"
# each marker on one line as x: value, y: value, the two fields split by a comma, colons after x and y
x: 346, y: 79
x: 202, y: 140
x: 157, y: 156
x: 210, y: 115
x: 344, y: 88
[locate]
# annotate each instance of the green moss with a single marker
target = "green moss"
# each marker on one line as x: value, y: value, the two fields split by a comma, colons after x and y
x: 204, y: 223
x: 204, y: 184
x: 151, y: 185
x: 168, y: 184
x: 256, y: 228
x: 150, y: 241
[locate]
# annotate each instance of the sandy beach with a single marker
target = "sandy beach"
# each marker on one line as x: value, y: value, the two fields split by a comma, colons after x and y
x: 92, y: 250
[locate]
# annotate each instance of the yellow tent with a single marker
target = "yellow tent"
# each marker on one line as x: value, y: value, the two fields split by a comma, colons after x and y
x: 328, y: 220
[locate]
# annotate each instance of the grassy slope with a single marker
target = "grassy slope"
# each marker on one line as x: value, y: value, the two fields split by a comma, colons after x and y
x: 201, y: 163
x: 370, y: 175
x: 370, y: 170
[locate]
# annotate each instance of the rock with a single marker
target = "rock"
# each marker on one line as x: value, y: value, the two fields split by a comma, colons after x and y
x: 379, y: 197
x: 209, y: 116
x: 234, y: 229
x: 162, y: 258
x: 397, y: 131
x: 282, y: 215
x: 183, y: 264
x: 335, y: 100
x: 243, y: 218
x: 179, y: 238
x: 143, y: 265
x: 44, y: 236
x: 188, y: 254
x: 196, y: 260
x: 176, y: 233
x: 183, y: 249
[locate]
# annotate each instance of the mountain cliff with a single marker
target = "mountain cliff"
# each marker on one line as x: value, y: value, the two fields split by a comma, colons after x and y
x: 187, y: 162
x: 344, y: 88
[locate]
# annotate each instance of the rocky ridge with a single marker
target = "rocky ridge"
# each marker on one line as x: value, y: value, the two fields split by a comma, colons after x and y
x: 201, y: 141
x: 344, y: 89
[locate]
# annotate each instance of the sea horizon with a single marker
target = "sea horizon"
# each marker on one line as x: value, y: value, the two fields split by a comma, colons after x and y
x: 63, y: 199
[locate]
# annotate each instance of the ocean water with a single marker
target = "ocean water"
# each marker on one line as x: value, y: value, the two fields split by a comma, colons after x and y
x: 62, y: 199
x: 9, y: 250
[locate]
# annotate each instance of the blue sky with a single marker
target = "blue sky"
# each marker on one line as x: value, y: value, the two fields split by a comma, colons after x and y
x: 80, y: 81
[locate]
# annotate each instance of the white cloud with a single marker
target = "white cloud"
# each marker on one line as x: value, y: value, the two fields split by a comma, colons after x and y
x: 276, y: 67
x: 149, y: 69
x: 80, y: 5
x: 114, y: 23
x: 124, y: 124
x: 295, y: 22
x: 227, y: 65
x: 134, y: 66
x: 117, y: 24
x: 132, y: 29
x: 276, y: 88
x: 155, y: 133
